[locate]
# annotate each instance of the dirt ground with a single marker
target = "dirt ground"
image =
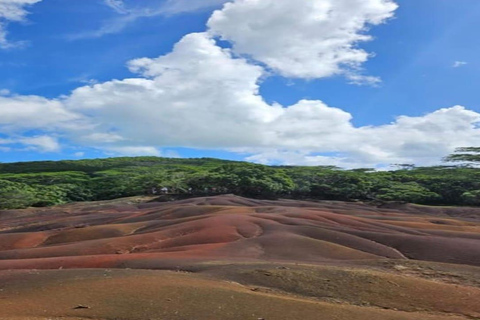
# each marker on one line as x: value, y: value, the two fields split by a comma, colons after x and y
x: 228, y: 257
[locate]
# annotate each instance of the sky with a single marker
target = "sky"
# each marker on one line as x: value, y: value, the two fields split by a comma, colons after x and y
x: 351, y: 83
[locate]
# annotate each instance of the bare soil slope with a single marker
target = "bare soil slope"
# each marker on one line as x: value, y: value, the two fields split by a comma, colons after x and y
x: 228, y: 257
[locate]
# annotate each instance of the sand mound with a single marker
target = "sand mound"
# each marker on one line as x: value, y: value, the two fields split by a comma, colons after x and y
x: 229, y: 227
x: 228, y: 257
x: 130, y: 294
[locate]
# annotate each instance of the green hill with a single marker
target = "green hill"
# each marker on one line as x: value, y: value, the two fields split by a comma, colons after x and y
x: 46, y: 183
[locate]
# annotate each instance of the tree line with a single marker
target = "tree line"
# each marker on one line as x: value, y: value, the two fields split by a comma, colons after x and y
x: 47, y: 183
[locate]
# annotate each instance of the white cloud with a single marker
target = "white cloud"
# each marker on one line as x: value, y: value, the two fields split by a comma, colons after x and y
x: 41, y: 143
x: 422, y: 140
x: 458, y: 64
x: 303, y: 39
x: 200, y: 96
x: 196, y: 96
x: 20, y: 113
x: 12, y: 11
x: 203, y: 96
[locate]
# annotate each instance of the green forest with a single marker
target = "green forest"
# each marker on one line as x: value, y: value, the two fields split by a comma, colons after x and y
x: 47, y: 183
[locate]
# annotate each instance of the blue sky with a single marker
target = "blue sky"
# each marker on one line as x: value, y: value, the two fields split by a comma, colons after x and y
x: 424, y: 53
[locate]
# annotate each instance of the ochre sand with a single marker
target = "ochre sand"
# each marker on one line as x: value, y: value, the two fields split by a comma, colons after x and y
x: 228, y: 257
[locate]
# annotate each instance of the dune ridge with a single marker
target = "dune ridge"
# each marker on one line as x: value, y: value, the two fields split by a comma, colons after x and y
x: 227, y: 257
x: 224, y: 227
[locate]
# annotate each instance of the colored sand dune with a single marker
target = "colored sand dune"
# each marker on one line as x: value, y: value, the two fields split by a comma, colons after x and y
x: 228, y: 257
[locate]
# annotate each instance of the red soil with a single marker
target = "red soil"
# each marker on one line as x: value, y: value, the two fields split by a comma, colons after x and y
x: 230, y: 227
x: 247, y: 259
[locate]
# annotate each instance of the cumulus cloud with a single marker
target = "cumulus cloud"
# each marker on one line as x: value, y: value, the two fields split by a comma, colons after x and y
x: 196, y: 96
x: 422, y: 140
x: 12, y: 11
x: 201, y: 95
x: 303, y: 39
x: 24, y: 113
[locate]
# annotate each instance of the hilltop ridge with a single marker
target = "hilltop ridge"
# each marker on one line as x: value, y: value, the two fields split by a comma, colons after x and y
x: 47, y: 183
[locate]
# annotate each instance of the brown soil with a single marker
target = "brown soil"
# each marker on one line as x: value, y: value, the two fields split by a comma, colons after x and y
x: 228, y: 257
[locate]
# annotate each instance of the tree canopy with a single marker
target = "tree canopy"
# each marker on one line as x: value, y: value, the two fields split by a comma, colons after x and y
x: 48, y: 183
x: 467, y: 155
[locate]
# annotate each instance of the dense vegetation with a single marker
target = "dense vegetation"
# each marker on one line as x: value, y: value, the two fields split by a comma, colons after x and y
x: 49, y: 183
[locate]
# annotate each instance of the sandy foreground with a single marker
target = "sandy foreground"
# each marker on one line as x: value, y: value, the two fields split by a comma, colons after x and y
x: 228, y: 257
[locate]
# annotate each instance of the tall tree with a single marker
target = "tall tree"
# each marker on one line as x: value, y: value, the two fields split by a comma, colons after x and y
x: 468, y: 155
